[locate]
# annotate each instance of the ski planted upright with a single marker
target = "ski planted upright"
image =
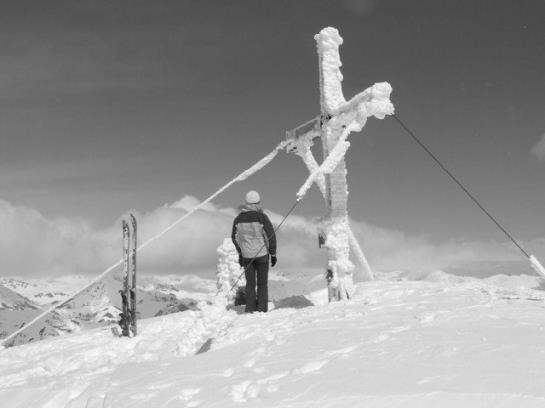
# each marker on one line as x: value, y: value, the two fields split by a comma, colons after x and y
x: 133, y: 276
x: 125, y: 294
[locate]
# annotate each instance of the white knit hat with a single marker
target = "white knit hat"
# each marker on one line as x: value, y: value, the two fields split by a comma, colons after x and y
x: 252, y: 197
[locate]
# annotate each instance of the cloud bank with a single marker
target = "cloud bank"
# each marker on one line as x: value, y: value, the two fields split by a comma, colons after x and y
x: 539, y: 149
x: 35, y: 246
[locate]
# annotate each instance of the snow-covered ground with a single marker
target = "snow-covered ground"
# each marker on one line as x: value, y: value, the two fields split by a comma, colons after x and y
x: 442, y: 342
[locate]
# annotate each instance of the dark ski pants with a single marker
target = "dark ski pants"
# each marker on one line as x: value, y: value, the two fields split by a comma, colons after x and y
x: 259, y: 267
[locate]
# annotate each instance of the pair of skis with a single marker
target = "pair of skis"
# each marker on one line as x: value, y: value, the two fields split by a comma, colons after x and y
x: 128, y: 293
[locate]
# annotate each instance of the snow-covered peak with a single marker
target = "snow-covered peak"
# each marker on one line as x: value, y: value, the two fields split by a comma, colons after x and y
x: 44, y: 292
x: 16, y: 310
x: 14, y: 301
x: 446, y: 343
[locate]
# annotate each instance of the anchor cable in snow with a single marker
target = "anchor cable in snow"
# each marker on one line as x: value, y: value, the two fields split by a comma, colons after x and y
x: 459, y: 183
x: 9, y: 340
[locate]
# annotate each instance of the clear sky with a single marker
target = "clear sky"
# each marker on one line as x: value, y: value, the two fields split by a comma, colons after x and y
x: 111, y: 105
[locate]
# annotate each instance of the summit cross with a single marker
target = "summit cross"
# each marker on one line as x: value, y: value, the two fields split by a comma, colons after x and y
x: 337, y: 119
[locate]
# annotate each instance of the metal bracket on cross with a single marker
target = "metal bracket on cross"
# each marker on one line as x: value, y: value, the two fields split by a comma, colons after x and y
x: 338, y: 118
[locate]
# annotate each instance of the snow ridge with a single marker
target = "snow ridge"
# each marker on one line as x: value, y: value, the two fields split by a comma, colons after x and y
x: 437, y: 342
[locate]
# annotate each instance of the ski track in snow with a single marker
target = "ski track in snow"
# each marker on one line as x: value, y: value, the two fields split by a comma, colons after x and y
x: 417, y: 344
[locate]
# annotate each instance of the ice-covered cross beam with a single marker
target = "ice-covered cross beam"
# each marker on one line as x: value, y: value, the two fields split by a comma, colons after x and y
x: 374, y: 101
x: 348, y: 117
x: 337, y: 119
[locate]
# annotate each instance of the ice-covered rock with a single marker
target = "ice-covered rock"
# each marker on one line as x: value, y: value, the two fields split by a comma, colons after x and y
x: 229, y: 274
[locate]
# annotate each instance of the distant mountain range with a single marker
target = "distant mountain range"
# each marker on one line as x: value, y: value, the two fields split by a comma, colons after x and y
x: 21, y: 300
x: 16, y: 310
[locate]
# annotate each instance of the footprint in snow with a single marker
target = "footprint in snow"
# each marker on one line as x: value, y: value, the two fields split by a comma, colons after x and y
x: 400, y: 329
x: 244, y: 391
x: 142, y: 396
x: 380, y: 338
x: 187, y: 395
x: 272, y: 388
x: 428, y: 317
x: 311, y: 367
x: 250, y: 363
x: 228, y: 372
x: 279, y: 341
x: 260, y: 350
x: 353, y: 315
x: 449, y: 352
x: 342, y: 351
x: 159, y: 386
x: 435, y: 378
x: 272, y: 378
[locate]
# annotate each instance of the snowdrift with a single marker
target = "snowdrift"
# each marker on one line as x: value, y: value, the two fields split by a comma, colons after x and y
x: 446, y: 341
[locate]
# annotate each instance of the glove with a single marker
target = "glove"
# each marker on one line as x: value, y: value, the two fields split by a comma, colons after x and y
x: 273, y: 260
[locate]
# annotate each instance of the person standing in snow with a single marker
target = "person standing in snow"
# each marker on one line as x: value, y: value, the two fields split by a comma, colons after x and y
x: 254, y: 239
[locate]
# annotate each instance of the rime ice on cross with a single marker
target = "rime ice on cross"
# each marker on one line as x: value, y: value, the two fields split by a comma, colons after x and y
x: 337, y: 120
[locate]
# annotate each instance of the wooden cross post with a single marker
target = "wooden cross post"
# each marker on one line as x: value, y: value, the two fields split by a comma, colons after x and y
x: 337, y: 120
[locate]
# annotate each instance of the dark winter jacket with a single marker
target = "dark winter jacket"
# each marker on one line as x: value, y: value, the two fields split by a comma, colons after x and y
x: 253, y: 233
